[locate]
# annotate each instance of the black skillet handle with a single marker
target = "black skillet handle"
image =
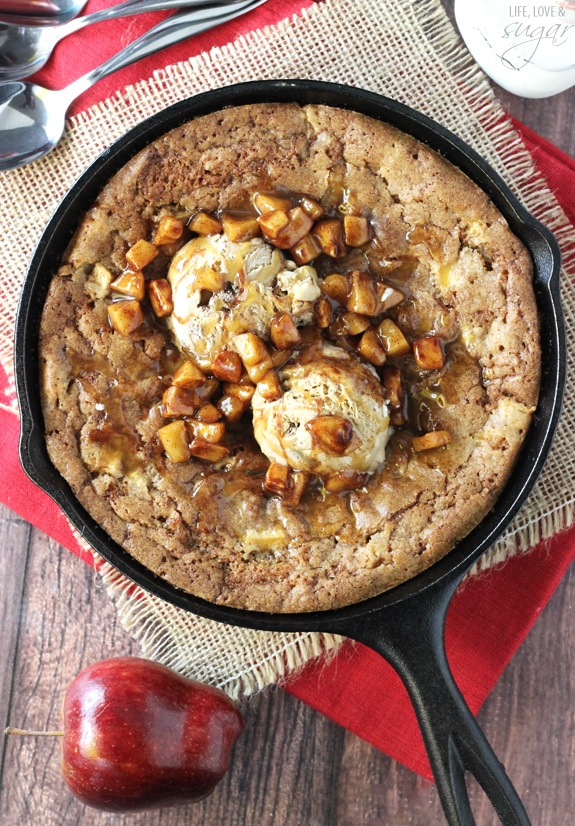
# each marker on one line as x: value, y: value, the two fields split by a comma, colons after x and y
x: 411, y: 639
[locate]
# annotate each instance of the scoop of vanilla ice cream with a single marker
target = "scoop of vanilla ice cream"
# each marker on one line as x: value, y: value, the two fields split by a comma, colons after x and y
x: 331, y: 383
x: 254, y: 284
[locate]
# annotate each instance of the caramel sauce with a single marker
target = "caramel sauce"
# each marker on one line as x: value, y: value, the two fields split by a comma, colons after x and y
x: 325, y: 503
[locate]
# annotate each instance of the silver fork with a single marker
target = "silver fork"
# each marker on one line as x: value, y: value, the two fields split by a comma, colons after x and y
x: 32, y: 118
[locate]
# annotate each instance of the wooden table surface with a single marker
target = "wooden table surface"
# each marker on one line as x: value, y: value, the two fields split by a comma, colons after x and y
x: 292, y: 767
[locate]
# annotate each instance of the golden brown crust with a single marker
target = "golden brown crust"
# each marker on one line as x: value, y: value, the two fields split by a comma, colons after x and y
x: 213, y: 532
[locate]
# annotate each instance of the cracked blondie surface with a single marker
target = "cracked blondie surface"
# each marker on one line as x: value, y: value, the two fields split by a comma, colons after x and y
x: 289, y: 357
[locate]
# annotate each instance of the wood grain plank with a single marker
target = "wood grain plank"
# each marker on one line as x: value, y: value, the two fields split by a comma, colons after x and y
x: 292, y: 767
x: 14, y: 535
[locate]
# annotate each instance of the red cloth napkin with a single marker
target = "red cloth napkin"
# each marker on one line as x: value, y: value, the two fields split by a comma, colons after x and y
x: 79, y: 53
x: 490, y: 615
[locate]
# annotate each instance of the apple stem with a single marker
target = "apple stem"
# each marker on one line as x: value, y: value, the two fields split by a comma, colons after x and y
x: 11, y: 730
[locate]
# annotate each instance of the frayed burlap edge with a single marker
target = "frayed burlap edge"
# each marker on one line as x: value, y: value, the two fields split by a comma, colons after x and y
x: 378, y: 38
x: 239, y: 661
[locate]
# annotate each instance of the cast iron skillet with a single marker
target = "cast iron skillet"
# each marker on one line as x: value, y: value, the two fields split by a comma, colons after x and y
x: 405, y: 625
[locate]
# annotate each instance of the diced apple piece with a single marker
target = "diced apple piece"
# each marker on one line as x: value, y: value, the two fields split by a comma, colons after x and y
x: 428, y: 353
x: 298, y: 226
x: 334, y: 433
x: 208, y: 278
x: 393, y: 387
x: 174, y: 439
x: 328, y: 232
x: 238, y: 227
x: 130, y: 283
x: 256, y: 372
x: 277, y: 478
x: 354, y: 324
x: 227, y: 366
x: 268, y: 202
x: 297, y: 485
x: 141, y: 254
x: 305, y: 250
x: 160, y: 296
x: 205, y: 224
x: 272, y: 223
x: 339, y: 331
x: 169, y: 229
x: 98, y: 284
x: 270, y: 386
x: 178, y: 401
x: 251, y: 348
x: 208, y: 452
x: 212, y: 432
x: 312, y: 338
x: 362, y: 296
x: 232, y: 408
x: 355, y: 230
x: 189, y: 376
x: 126, y: 316
x: 336, y: 286
x: 243, y: 390
x: 208, y: 413
x: 345, y: 480
x: 313, y: 208
x: 371, y: 349
x: 283, y: 332
x: 388, y: 297
x: 323, y: 312
x: 431, y: 440
x: 280, y: 357
x: 393, y: 340
x: 288, y: 485
x: 206, y: 390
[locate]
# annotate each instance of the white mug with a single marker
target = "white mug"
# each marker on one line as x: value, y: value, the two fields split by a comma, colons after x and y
x: 527, y: 47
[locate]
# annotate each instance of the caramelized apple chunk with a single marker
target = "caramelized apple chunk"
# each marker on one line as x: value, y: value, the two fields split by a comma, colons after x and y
x: 160, y: 296
x: 270, y: 387
x: 189, y: 375
x: 328, y: 232
x: 227, y: 366
x: 239, y: 227
x: 169, y: 229
x: 208, y: 452
x: 333, y: 432
x: 266, y: 202
x: 205, y: 224
x: 131, y: 283
x: 126, y: 316
x: 283, y: 332
x: 362, y: 297
x: 392, y: 339
x: 355, y: 230
x: 428, y: 353
x: 431, y: 440
x: 371, y: 349
x: 141, y: 254
x: 174, y: 439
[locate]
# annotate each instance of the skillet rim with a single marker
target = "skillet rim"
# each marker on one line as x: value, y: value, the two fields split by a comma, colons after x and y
x: 58, y: 232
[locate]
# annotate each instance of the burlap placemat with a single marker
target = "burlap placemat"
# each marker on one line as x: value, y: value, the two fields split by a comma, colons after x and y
x: 404, y: 50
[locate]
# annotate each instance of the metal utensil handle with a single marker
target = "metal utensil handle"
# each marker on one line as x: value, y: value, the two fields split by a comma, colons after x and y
x: 129, y: 8
x: 29, y: 7
x: 412, y: 642
x: 172, y: 30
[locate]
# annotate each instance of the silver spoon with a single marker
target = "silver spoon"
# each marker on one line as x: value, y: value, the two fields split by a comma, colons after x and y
x: 40, y: 12
x: 32, y: 118
x: 25, y: 49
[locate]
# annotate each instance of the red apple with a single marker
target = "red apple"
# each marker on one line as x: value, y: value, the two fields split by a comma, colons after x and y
x: 137, y: 735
